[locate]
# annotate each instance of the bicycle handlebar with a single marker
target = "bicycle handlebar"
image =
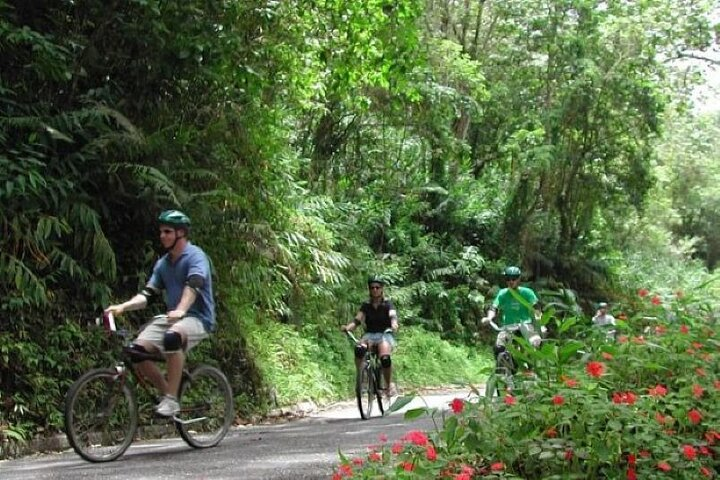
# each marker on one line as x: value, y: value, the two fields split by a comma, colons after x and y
x: 355, y: 339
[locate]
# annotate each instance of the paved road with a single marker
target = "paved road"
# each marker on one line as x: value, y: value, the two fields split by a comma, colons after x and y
x: 303, y: 449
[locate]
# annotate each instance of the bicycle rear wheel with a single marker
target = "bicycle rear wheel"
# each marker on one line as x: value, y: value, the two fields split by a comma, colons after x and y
x: 365, y: 392
x: 100, y: 415
x: 504, y: 371
x: 206, y: 407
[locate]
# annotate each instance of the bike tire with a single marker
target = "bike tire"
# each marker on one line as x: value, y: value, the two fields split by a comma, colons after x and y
x: 365, y: 392
x: 206, y: 407
x: 504, y: 370
x: 100, y: 415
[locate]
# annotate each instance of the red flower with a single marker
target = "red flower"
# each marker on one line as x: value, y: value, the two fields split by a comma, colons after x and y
x: 631, y: 459
x: 374, y: 456
x: 631, y: 475
x: 643, y: 292
x: 359, y: 461
x: 416, y: 437
x: 627, y: 398
x: 407, y: 466
x: 558, y: 400
x: 457, y: 405
x: 660, y: 418
x: 336, y: 476
x: 595, y: 369
x: 568, y: 454
x: 462, y: 476
x: 657, y: 391
x: 697, y: 390
x: 644, y: 453
x: 397, y: 448
x: 509, y: 399
x: 704, y: 450
x: 697, y: 345
x: 706, y: 472
x: 660, y: 329
x: 694, y: 416
x: 571, y: 383
x: 382, y: 437
x: 684, y: 329
x: 607, y: 356
x: 711, y: 436
x: 664, y: 466
x: 497, y: 467
x: 430, y: 453
x: 551, y: 432
x: 622, y: 339
x: 639, y: 340
x: 345, y: 470
x: 700, y: 371
x: 689, y: 452
x: 656, y: 300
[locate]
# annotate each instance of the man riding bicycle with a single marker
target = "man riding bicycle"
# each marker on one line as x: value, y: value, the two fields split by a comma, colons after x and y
x: 184, y: 274
x: 378, y: 315
x: 518, y: 307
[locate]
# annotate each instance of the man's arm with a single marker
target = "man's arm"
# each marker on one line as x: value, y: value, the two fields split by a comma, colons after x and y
x: 138, y: 302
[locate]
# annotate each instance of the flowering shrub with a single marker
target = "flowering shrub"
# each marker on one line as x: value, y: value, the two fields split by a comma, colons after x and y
x: 643, y: 407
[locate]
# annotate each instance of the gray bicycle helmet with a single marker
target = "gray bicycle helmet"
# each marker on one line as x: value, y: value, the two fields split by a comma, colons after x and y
x: 175, y: 218
x: 512, y: 273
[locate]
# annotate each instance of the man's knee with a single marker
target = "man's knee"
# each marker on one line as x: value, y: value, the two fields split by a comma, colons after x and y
x: 385, y: 361
x: 498, y: 349
x: 172, y: 341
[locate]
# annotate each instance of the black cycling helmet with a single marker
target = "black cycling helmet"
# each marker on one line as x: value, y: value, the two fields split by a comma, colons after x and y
x: 375, y: 279
x: 176, y: 218
x: 512, y: 273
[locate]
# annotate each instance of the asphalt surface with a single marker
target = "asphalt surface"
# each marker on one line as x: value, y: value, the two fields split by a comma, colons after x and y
x: 303, y: 449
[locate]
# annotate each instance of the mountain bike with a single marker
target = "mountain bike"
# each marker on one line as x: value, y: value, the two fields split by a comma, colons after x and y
x: 370, y: 382
x: 101, y: 407
x: 505, y: 377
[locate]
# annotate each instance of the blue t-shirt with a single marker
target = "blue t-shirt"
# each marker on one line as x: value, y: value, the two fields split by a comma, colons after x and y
x: 172, y: 278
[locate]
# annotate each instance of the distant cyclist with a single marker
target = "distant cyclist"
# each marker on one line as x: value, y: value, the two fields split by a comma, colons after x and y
x: 184, y: 274
x: 378, y: 315
x: 604, y: 320
x: 517, y: 308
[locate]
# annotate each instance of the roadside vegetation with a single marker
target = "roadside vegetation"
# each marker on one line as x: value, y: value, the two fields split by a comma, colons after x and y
x: 316, y: 143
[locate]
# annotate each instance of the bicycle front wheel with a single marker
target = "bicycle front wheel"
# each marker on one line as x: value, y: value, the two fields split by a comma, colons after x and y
x: 206, y: 407
x: 100, y: 415
x: 365, y: 392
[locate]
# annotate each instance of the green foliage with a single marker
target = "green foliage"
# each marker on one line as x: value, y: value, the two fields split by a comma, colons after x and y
x: 643, y: 406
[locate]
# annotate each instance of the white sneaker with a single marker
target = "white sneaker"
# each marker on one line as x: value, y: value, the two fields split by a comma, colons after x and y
x: 168, y: 406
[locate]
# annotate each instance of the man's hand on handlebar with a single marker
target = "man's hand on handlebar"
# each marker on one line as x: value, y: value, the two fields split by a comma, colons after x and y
x: 485, y: 320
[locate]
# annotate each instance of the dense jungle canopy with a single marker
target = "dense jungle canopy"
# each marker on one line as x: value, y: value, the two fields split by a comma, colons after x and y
x: 313, y: 142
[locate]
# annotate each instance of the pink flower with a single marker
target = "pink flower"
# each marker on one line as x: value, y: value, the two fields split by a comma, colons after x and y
x: 407, y: 466
x: 656, y: 300
x: 568, y: 454
x: 607, y: 356
x: 595, y: 369
x: 509, y: 399
x: 684, y: 329
x: 397, y: 448
x: 374, y: 456
x: 558, y: 400
x: 643, y: 292
x: 694, y: 416
x: 430, y: 453
x: 383, y: 438
x: 497, y: 467
x: 697, y: 390
x: 462, y: 476
x: 657, y: 391
x: 416, y: 437
x: 664, y: 466
x: 359, y: 461
x: 457, y: 405
x: 706, y: 472
x: 660, y: 418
